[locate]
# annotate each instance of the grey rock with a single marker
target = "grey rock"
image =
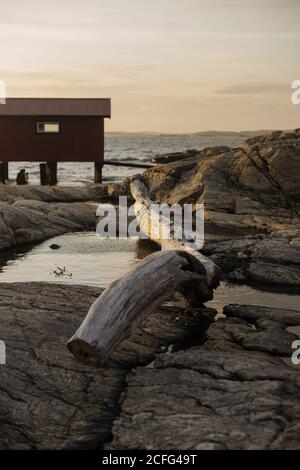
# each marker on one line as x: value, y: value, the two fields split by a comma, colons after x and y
x: 247, y: 192
x: 93, y: 192
x: 234, y: 392
x: 34, y: 213
x: 47, y: 399
x: 175, y: 156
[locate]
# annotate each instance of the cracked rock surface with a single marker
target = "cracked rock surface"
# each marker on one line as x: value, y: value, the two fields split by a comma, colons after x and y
x: 48, y: 400
x: 251, y: 196
x: 238, y: 391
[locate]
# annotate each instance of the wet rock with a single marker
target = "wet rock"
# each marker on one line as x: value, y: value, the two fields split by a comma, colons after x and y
x: 267, y: 259
x: 47, y: 399
x: 234, y: 392
x: 54, y: 246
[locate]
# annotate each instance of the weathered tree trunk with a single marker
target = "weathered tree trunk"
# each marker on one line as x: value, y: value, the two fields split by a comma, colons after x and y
x: 127, y: 302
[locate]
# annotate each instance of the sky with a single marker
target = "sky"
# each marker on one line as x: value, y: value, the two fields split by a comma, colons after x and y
x: 167, y: 65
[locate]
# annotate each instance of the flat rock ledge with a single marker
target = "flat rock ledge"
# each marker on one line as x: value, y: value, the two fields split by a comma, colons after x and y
x: 238, y: 391
x: 30, y: 214
x: 47, y: 399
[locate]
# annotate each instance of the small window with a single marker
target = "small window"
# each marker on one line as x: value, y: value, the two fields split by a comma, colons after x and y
x: 47, y: 127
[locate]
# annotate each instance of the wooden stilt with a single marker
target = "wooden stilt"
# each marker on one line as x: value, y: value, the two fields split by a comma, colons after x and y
x: 2, y: 172
x: 43, y: 175
x: 51, y: 172
x: 6, y: 175
x: 98, y: 172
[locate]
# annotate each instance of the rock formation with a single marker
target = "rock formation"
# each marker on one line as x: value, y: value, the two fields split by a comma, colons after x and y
x: 252, y: 199
x: 33, y: 213
x: 48, y: 400
x: 238, y: 391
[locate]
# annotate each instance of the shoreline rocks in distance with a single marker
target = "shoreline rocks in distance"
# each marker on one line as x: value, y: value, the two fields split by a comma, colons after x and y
x: 175, y: 156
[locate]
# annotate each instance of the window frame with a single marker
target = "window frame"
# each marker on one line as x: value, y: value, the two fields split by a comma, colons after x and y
x: 38, y: 131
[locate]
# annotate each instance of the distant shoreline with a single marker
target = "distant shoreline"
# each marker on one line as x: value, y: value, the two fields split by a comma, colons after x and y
x: 201, y: 133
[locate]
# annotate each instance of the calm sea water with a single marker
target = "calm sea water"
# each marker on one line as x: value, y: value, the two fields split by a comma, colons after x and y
x: 127, y: 147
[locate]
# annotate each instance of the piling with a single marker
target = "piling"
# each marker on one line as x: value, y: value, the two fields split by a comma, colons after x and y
x: 51, y: 173
x: 3, y: 172
x: 98, y: 172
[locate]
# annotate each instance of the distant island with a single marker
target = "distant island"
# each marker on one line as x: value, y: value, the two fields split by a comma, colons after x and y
x: 209, y: 133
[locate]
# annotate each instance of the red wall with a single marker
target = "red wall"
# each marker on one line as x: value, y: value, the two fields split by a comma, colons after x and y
x: 81, y: 139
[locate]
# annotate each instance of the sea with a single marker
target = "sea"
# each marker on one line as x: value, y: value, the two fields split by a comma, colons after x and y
x: 128, y: 147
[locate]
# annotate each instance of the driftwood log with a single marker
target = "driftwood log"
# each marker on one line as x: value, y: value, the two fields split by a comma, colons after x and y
x: 124, y: 305
x: 151, y: 221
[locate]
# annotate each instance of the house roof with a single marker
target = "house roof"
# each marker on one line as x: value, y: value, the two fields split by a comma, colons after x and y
x: 56, y: 107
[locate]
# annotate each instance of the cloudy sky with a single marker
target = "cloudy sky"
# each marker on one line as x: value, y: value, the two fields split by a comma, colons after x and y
x: 168, y: 65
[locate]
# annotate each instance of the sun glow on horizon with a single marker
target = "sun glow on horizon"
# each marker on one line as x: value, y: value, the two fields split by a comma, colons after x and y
x: 169, y: 66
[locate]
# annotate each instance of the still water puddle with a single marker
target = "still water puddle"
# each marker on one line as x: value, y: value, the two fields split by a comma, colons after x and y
x: 242, y: 294
x: 84, y: 259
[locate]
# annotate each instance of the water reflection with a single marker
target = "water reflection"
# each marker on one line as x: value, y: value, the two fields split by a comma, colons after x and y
x: 84, y: 257
x: 242, y: 294
x: 8, y: 256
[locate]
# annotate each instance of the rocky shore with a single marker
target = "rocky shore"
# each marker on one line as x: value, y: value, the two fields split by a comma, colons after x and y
x: 186, y: 379
x: 34, y: 213
x: 48, y: 400
x: 165, y: 388
x: 234, y: 392
x: 251, y: 197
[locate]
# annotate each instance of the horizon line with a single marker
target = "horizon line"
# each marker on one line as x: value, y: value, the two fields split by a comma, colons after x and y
x: 211, y: 131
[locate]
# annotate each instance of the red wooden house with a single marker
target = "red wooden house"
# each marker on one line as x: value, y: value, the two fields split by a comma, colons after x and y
x: 53, y: 130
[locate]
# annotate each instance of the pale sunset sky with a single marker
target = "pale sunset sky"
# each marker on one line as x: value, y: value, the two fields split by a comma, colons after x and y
x: 168, y: 65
